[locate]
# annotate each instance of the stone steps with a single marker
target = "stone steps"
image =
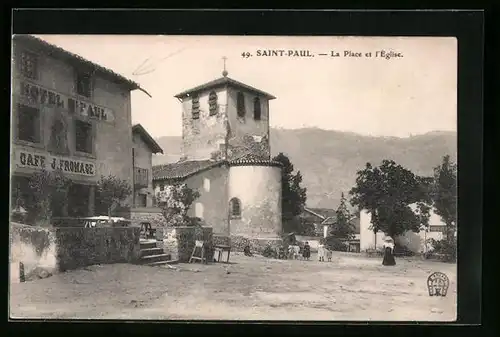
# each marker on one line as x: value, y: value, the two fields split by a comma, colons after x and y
x: 151, y: 251
x: 162, y: 263
x: 151, y: 255
x: 147, y: 244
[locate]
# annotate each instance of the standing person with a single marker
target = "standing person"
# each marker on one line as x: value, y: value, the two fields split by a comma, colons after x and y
x: 321, y: 251
x: 388, y: 252
x: 306, y: 253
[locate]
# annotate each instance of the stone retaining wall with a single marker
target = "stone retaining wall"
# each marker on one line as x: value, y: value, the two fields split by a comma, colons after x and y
x: 180, y: 241
x: 60, y: 249
x: 257, y: 245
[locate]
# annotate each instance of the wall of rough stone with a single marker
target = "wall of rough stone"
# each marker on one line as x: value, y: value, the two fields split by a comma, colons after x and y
x: 180, y: 241
x: 60, y: 249
x: 244, y: 128
x: 201, y: 137
x: 34, y: 247
x: 152, y: 215
x: 257, y: 246
x: 79, y: 247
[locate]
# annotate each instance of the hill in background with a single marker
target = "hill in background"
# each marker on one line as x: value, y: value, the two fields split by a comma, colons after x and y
x: 329, y: 160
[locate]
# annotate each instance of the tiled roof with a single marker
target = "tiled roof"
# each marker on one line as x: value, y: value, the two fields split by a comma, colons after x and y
x: 153, y: 145
x: 183, y: 169
x: 222, y: 82
x: 60, y: 52
x: 255, y: 161
x: 322, y: 213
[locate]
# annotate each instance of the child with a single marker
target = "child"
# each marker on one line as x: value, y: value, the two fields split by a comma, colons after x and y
x: 306, y: 253
x: 328, y: 254
x: 321, y: 252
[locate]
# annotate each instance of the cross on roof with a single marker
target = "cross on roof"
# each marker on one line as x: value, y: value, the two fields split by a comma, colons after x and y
x: 224, y: 72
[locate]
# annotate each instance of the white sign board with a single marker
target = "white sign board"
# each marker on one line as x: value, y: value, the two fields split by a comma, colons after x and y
x: 29, y: 159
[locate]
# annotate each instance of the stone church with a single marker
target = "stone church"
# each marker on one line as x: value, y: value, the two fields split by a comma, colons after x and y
x: 227, y: 159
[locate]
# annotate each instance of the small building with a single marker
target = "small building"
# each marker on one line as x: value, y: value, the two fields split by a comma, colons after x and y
x: 70, y: 114
x: 226, y: 158
x: 316, y: 217
x: 144, y: 147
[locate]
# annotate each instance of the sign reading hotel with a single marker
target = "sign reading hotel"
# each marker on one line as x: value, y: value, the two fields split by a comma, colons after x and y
x: 41, y: 96
x: 27, y: 159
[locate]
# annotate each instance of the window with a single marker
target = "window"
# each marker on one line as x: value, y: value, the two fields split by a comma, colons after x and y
x: 142, y: 200
x: 83, y: 84
x: 29, y: 65
x: 198, y: 209
x: 195, y: 107
x: 28, y: 127
x: 206, y: 184
x: 240, y: 104
x: 83, y: 136
x: 212, y: 103
x: 235, y: 208
x: 256, y: 109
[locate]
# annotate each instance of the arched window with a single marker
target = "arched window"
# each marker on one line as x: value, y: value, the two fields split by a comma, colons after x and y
x: 240, y: 104
x: 235, y: 208
x: 195, y: 107
x: 256, y: 109
x: 212, y: 102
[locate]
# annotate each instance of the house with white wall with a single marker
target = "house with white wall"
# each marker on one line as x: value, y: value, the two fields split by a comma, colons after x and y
x: 416, y: 242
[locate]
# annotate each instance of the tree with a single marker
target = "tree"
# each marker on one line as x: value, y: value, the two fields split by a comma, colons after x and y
x: 388, y: 192
x: 293, y: 196
x: 175, y: 202
x: 45, y: 189
x: 111, y: 191
x: 343, y: 228
x: 444, y: 194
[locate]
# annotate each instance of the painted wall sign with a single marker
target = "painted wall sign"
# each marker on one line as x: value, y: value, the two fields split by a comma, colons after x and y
x: 49, y: 162
x: 41, y: 96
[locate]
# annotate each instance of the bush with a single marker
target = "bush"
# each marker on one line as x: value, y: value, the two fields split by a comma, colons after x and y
x: 402, y: 251
x: 269, y: 252
x: 333, y: 243
x: 447, y: 248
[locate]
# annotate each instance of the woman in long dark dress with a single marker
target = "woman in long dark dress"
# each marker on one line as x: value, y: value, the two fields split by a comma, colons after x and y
x: 306, y: 253
x: 388, y: 253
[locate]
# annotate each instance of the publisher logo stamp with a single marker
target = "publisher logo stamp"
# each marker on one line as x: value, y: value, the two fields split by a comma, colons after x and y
x: 437, y: 284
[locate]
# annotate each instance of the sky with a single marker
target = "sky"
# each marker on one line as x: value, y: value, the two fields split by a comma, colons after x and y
x: 403, y: 96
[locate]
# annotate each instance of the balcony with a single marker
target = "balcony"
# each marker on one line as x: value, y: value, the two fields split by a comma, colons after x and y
x: 141, y: 177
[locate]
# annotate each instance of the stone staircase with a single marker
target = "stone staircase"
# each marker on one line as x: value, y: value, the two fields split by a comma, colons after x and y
x: 151, y: 255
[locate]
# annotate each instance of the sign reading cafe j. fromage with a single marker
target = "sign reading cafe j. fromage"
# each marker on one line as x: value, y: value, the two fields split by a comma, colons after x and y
x: 41, y: 96
x: 48, y: 162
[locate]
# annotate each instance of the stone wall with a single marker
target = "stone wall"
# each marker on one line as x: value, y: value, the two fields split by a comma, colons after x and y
x: 60, y: 249
x: 79, y: 247
x: 180, y: 241
x: 34, y: 247
x: 257, y: 245
x: 152, y: 215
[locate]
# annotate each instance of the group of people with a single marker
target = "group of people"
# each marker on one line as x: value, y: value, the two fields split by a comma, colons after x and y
x: 295, y: 250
